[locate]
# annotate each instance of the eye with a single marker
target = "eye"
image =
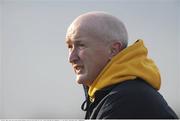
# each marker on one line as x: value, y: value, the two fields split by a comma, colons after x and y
x: 81, y: 45
x: 69, y: 46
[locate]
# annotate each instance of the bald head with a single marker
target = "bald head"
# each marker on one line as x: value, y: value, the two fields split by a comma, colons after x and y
x: 93, y: 39
x: 100, y: 26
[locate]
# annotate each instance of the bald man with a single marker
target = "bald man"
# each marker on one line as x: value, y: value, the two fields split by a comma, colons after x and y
x: 121, y: 81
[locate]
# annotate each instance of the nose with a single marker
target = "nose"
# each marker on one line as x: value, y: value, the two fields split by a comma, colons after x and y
x: 73, y: 56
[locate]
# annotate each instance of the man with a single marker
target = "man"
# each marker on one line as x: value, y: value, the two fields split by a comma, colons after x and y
x: 121, y: 81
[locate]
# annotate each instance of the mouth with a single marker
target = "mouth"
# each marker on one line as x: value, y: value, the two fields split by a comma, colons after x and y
x: 78, y: 69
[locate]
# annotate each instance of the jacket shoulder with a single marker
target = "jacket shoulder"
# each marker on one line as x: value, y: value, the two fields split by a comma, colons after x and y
x: 135, y: 99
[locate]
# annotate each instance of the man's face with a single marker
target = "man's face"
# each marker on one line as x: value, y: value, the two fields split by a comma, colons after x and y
x: 87, y: 55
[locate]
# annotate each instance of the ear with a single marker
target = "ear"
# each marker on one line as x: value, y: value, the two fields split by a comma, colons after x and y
x: 115, y: 48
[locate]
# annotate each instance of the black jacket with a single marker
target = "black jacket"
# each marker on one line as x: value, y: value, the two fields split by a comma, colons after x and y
x: 133, y: 99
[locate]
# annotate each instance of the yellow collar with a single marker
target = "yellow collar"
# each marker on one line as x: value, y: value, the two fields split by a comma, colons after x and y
x: 130, y: 63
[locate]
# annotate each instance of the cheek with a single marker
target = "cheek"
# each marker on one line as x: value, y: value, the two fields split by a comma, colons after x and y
x: 101, y: 59
x: 98, y: 60
x: 93, y: 60
x: 82, y: 55
x: 87, y: 58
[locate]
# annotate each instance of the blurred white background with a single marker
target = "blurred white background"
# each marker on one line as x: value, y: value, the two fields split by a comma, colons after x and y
x: 36, y: 80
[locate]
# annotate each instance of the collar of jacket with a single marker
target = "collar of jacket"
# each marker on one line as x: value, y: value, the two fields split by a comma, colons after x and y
x: 130, y: 63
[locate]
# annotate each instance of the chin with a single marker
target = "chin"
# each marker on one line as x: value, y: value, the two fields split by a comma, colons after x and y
x: 82, y: 80
x: 79, y: 80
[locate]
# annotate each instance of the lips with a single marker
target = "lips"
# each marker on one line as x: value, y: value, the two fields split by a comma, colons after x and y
x: 78, y: 69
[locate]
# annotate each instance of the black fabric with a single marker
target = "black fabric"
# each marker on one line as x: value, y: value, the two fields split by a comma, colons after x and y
x: 133, y: 99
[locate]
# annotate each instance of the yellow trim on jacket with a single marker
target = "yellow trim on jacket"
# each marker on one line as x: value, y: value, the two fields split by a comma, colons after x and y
x: 130, y: 63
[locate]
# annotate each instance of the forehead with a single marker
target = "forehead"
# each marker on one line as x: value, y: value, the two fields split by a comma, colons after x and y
x: 77, y: 35
x: 82, y: 31
x: 76, y: 39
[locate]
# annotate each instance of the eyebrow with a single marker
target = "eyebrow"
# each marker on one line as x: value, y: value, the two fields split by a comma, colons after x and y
x: 76, y: 41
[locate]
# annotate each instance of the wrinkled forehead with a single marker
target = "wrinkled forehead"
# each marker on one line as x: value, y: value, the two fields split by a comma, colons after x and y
x: 78, y: 31
x: 73, y: 32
